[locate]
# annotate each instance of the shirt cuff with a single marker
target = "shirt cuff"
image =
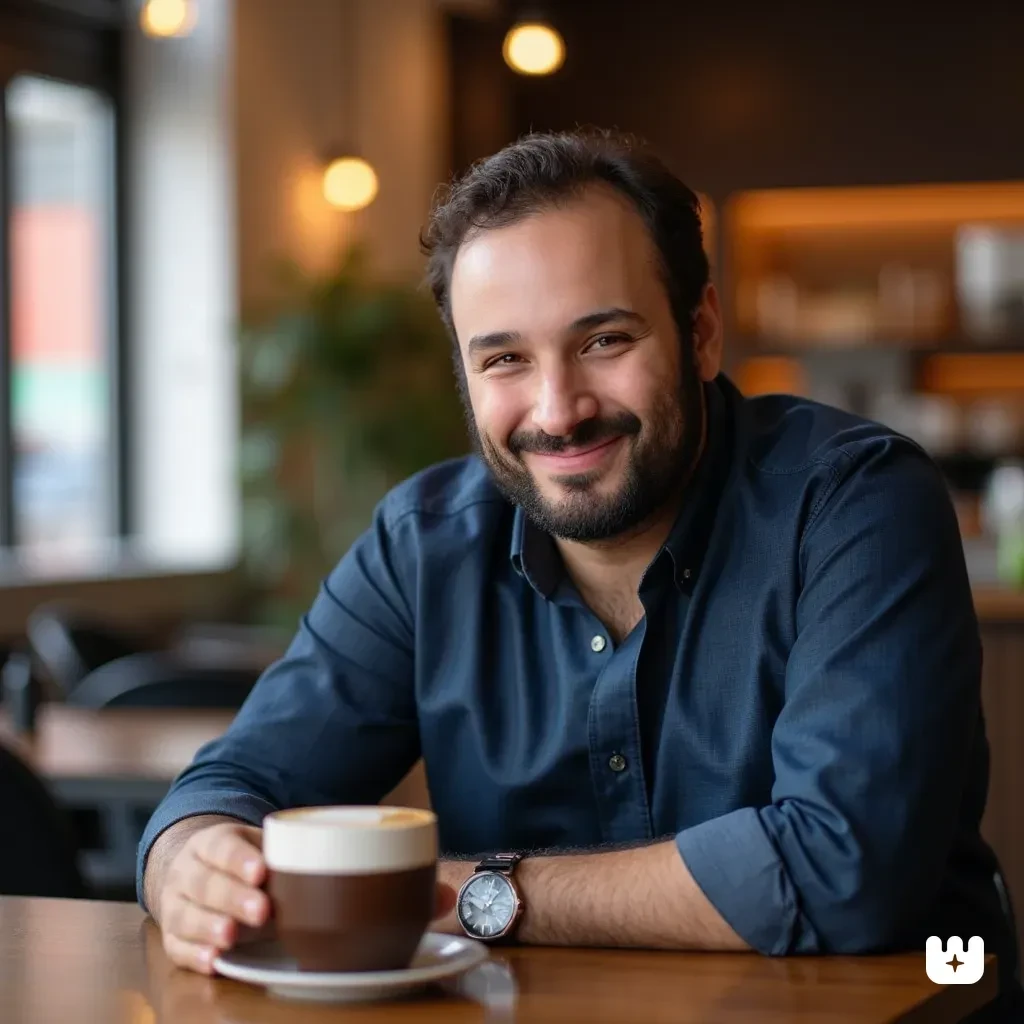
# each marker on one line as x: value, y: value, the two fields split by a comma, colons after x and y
x: 734, y: 863
x: 178, y: 806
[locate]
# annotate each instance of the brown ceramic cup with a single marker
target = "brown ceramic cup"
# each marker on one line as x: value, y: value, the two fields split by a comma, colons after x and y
x: 352, y: 888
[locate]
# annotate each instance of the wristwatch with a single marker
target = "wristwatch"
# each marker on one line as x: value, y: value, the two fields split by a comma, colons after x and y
x: 489, y: 905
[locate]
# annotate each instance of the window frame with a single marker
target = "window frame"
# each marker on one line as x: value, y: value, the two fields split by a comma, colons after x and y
x: 81, y: 45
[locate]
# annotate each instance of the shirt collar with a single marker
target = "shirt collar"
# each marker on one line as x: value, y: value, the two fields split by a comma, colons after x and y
x: 533, y: 553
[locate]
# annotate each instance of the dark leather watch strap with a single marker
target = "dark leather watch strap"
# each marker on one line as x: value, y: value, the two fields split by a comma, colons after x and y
x: 503, y: 862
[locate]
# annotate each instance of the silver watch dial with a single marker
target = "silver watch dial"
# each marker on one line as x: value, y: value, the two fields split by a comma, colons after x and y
x: 487, y: 905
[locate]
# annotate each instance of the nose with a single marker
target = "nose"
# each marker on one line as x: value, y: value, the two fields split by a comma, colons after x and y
x: 562, y: 401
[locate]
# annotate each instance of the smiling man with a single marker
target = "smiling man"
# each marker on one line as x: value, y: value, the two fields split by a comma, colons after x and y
x: 687, y: 670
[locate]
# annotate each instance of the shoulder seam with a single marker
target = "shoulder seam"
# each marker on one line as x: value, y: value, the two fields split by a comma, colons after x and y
x: 393, y: 519
x: 793, y: 469
x: 844, y: 453
x: 843, y: 450
x: 823, y: 498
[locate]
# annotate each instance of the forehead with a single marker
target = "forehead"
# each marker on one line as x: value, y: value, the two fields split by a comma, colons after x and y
x: 544, y: 271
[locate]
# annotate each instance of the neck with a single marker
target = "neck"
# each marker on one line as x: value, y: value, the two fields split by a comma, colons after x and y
x: 619, y: 561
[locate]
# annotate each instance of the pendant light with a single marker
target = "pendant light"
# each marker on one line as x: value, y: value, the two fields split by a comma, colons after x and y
x: 533, y: 46
x: 167, y: 19
x: 349, y: 180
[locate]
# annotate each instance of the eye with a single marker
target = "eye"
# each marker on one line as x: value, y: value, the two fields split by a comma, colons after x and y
x: 507, y: 359
x: 606, y: 341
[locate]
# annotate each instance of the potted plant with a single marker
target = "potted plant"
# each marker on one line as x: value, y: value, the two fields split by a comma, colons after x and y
x: 346, y: 389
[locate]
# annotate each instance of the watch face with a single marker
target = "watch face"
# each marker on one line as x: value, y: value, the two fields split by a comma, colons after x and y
x: 487, y: 905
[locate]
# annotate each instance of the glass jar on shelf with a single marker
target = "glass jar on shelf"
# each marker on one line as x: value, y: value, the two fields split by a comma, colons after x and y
x: 1004, y: 517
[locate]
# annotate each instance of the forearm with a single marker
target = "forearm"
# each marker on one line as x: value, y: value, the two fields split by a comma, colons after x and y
x: 164, y: 851
x: 643, y: 897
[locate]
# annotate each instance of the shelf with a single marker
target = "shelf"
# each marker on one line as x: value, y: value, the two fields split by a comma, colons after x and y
x: 925, y: 261
x: 872, y: 208
x: 753, y: 346
x: 996, y: 603
x: 960, y: 372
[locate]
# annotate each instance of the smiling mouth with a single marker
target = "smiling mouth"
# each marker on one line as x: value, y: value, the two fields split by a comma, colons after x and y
x: 575, y: 453
x: 578, y: 459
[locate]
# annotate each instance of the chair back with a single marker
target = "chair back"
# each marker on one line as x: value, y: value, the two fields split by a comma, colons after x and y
x: 38, y: 852
x: 162, y: 680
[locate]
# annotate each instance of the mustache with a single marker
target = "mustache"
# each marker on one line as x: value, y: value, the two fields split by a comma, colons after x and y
x: 587, y: 432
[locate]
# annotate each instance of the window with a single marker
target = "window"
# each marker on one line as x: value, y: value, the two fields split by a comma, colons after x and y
x: 118, y: 305
x: 61, y: 416
x: 62, y: 385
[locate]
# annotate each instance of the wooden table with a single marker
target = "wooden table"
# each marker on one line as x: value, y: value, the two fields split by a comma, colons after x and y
x: 109, y: 769
x: 115, y: 744
x: 82, y: 961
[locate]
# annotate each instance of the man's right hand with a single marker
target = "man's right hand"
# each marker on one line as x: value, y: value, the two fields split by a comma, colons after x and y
x: 203, y: 887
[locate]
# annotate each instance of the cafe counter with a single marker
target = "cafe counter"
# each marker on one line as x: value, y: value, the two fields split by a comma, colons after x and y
x: 1001, y: 617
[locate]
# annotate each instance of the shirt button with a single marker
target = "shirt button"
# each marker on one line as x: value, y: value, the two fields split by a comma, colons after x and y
x: 617, y: 763
x: 686, y: 574
x: 598, y: 643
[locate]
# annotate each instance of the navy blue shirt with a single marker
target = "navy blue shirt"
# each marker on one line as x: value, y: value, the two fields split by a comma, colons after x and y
x: 799, y: 707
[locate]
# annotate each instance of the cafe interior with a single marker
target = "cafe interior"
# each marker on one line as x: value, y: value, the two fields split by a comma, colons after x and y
x: 194, y: 427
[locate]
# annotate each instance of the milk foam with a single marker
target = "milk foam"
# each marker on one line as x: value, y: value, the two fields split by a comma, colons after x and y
x: 349, y: 840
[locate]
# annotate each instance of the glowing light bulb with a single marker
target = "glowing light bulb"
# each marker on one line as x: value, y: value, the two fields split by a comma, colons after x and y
x: 533, y: 48
x: 350, y: 183
x: 167, y: 18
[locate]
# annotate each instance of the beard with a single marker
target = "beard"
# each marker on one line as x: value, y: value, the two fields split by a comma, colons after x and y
x: 661, y: 453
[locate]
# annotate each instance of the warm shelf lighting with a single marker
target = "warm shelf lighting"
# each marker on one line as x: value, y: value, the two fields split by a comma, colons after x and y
x: 165, y: 19
x: 533, y: 48
x: 771, y: 375
x: 875, y: 206
x: 350, y: 183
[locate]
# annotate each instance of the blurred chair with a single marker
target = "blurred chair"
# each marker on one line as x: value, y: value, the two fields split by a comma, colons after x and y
x: 87, y: 663
x: 67, y: 643
x: 38, y: 853
x: 163, y: 680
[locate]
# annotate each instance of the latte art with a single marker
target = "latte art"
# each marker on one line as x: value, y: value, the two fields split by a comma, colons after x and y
x: 359, y: 817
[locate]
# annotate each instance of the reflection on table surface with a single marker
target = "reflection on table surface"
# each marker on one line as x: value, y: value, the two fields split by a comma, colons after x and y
x: 82, y: 961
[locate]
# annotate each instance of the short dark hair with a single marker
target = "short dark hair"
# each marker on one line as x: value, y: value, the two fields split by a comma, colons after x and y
x: 547, y: 169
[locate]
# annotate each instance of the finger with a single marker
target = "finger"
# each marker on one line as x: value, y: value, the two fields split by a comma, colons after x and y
x: 216, y: 891
x: 444, y: 900
x: 233, y: 850
x: 190, y: 955
x: 197, y: 924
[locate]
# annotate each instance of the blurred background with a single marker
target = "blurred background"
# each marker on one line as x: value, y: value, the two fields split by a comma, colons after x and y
x: 215, y: 355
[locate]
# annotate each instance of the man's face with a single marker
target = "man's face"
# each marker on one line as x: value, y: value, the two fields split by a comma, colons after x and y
x: 578, y: 395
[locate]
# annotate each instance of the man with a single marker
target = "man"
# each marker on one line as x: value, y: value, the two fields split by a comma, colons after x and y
x: 709, y: 665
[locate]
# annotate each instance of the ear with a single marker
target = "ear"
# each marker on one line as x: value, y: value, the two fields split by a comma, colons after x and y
x: 707, y: 335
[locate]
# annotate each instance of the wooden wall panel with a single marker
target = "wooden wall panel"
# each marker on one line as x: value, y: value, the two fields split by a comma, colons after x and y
x: 1003, y: 698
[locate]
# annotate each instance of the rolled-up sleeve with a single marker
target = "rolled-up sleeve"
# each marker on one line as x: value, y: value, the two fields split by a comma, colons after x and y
x: 333, y: 721
x: 871, y: 747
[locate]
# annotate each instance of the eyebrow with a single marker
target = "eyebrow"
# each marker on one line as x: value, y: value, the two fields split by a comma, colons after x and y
x: 503, y: 339
x: 603, y: 316
x: 496, y: 339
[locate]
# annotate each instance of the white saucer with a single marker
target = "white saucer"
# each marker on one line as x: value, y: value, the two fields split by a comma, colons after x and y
x: 438, y: 958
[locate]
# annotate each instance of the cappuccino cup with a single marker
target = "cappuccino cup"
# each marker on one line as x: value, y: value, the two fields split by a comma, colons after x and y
x: 352, y: 888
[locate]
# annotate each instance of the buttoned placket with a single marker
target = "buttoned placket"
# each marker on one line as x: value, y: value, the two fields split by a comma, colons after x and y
x: 616, y: 762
